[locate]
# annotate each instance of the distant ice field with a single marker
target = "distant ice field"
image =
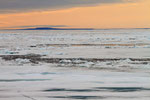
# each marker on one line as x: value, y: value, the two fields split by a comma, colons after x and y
x: 109, y: 64
x: 86, y: 44
x: 131, y: 47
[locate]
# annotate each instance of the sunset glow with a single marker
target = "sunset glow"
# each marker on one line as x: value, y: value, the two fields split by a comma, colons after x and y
x: 112, y: 15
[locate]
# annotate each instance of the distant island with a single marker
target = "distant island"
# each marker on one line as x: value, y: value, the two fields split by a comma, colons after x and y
x: 52, y: 28
x: 49, y: 28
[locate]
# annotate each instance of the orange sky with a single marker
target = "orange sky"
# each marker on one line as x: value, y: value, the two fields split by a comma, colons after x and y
x: 123, y: 15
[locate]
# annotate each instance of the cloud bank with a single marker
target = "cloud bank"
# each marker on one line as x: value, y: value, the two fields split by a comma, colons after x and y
x: 10, y: 6
x: 39, y: 26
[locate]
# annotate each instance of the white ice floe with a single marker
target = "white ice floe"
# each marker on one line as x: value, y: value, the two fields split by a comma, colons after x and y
x: 22, y: 61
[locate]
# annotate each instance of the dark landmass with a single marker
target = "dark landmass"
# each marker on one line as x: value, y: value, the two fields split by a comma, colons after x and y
x: 141, y: 28
x: 120, y: 28
x: 50, y: 28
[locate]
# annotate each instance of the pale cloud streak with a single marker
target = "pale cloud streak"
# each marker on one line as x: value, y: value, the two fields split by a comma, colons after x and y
x: 11, y: 6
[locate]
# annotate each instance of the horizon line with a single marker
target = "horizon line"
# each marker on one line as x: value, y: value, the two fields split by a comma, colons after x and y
x: 53, y: 28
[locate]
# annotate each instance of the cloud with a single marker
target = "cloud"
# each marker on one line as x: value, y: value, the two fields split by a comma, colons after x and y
x: 42, y: 26
x: 37, y: 26
x: 3, y: 23
x: 9, y: 6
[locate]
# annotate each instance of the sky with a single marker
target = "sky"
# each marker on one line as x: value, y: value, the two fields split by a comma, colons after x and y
x: 75, y: 13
